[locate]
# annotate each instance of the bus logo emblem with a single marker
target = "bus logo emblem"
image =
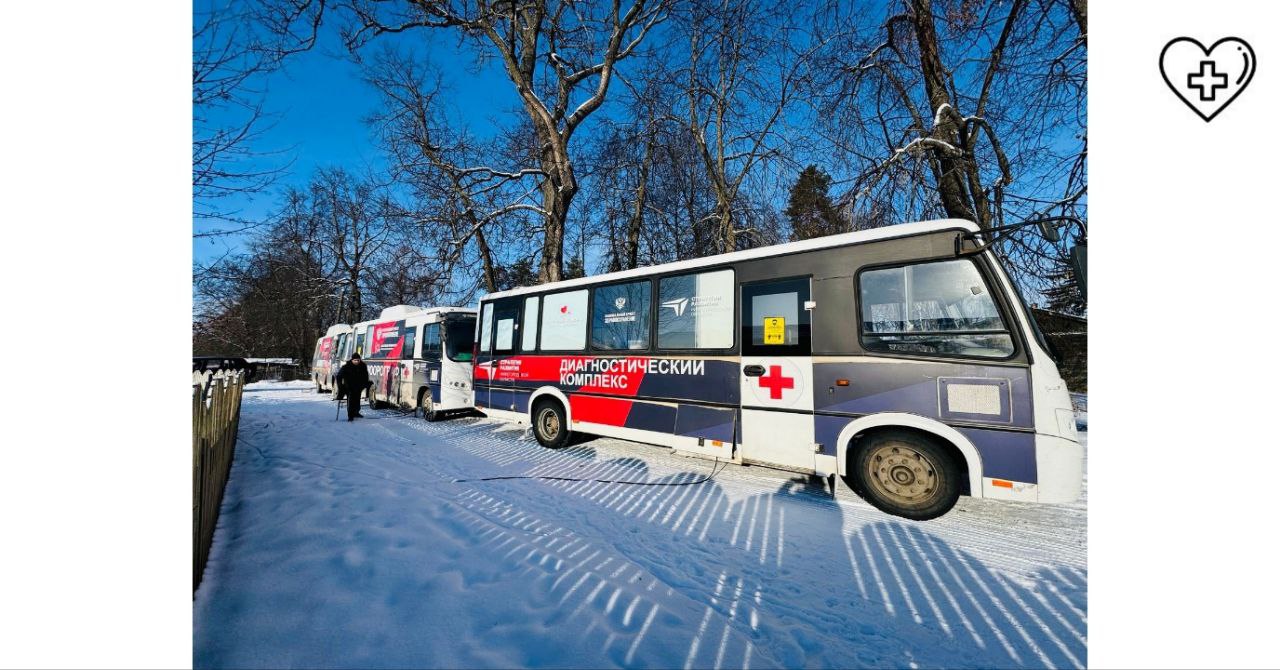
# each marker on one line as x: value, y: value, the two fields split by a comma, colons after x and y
x: 679, y: 305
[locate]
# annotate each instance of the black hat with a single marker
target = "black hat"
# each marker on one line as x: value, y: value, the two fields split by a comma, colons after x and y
x: 355, y: 357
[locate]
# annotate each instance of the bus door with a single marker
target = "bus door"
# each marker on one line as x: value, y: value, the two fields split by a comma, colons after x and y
x: 504, y: 347
x: 456, y: 337
x: 777, y: 373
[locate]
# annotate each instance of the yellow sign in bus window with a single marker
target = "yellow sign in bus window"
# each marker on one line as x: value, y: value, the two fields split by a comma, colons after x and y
x: 775, y: 330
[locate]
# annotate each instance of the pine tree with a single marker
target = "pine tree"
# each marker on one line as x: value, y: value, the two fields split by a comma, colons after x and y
x: 519, y: 273
x: 1064, y: 296
x: 810, y: 210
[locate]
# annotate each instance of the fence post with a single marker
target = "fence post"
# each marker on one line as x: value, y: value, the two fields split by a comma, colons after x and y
x: 215, y: 420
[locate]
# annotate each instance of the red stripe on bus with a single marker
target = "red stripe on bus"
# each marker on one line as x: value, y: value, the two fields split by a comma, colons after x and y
x: 594, y: 409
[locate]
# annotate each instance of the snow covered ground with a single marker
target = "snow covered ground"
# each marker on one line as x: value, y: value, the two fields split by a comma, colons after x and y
x: 354, y: 545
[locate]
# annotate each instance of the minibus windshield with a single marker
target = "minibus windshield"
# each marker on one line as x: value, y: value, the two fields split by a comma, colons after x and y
x: 459, y: 336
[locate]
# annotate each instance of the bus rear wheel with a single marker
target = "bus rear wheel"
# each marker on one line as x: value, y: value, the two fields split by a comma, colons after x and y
x: 427, y: 405
x: 550, y: 427
x: 906, y: 475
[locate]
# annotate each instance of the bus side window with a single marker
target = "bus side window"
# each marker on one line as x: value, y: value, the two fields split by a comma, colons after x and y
x: 941, y: 307
x: 529, y: 325
x: 431, y: 341
x: 486, y: 327
x: 410, y: 339
x: 360, y: 344
x: 620, y: 318
x: 506, y: 317
x: 564, y: 321
x: 696, y: 311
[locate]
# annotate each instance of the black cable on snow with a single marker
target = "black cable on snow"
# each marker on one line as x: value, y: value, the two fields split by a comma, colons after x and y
x: 707, y: 478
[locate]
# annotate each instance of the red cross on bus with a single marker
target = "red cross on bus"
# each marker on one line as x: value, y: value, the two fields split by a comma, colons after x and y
x: 775, y: 382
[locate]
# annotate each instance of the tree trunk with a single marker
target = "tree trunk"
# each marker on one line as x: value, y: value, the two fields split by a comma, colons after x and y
x: 355, y: 308
x: 556, y: 197
x: 728, y: 236
x: 951, y: 183
x: 637, y: 214
x: 486, y: 260
x: 1080, y: 9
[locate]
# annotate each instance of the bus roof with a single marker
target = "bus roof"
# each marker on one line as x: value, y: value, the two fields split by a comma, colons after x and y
x: 843, y: 239
x: 337, y: 329
x: 395, y: 314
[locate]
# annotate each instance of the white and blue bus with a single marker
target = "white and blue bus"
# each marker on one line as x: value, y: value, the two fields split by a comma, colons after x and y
x: 901, y: 359
x: 326, y: 361
x: 418, y: 358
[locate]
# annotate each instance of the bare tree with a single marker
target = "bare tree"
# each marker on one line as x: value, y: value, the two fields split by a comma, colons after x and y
x: 456, y: 195
x: 227, y: 116
x: 964, y: 111
x: 746, y: 66
x: 559, y: 56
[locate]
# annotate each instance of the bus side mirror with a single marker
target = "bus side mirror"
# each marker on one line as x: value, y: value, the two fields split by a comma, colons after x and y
x: 1049, y: 231
x: 1079, y: 266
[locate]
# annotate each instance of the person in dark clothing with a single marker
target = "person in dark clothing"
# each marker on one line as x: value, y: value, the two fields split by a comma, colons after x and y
x: 353, y: 378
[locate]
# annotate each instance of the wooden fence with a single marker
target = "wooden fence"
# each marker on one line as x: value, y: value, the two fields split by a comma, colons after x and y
x: 215, y: 418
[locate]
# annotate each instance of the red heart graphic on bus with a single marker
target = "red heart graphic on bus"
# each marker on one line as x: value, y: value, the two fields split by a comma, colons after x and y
x: 564, y: 309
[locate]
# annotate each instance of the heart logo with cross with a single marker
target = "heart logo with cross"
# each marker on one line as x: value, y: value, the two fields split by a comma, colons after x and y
x: 1207, y: 79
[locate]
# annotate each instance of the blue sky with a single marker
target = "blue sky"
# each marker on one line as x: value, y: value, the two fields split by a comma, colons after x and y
x: 317, y: 105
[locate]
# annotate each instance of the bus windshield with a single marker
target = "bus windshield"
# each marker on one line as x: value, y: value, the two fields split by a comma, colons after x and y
x: 459, y: 336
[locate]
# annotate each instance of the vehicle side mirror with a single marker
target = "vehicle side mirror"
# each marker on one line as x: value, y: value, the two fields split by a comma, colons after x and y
x: 1079, y: 266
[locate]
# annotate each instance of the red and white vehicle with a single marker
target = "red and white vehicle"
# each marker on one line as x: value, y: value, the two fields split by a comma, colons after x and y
x: 326, y: 360
x: 419, y: 358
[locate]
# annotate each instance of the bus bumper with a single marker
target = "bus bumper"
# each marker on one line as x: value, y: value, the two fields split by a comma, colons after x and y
x: 1059, y: 469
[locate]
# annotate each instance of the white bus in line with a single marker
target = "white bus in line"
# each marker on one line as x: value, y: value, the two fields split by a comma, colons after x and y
x: 901, y: 359
x: 419, y: 358
x: 326, y: 361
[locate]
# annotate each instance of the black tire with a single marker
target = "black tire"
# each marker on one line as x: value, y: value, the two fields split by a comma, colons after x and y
x: 550, y: 427
x: 905, y: 474
x: 426, y: 406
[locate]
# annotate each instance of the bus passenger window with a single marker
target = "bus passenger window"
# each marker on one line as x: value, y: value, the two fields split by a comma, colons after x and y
x: 529, y: 336
x: 486, y: 326
x: 431, y: 341
x: 505, y: 335
x: 696, y: 311
x: 621, y: 317
x: 564, y: 321
x: 932, y: 308
x: 776, y: 319
x: 410, y: 337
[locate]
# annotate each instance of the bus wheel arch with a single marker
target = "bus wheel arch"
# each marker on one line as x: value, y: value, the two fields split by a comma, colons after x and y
x: 965, y: 455
x: 426, y: 404
x: 550, y: 418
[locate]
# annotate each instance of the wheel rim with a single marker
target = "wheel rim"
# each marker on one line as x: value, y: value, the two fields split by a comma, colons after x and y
x: 548, y: 423
x: 903, y: 474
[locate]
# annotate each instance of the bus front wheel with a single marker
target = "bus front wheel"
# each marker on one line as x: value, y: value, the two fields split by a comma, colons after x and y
x: 549, y: 424
x: 427, y: 406
x: 905, y: 474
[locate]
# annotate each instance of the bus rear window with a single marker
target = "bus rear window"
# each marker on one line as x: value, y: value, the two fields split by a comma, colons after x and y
x: 459, y: 338
x: 932, y: 308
